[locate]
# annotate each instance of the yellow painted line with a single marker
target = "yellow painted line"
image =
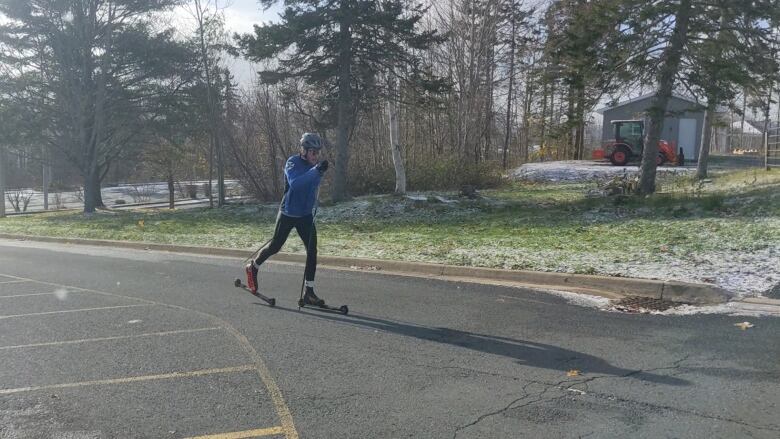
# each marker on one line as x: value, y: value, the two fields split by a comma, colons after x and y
x: 243, y: 434
x: 118, y: 337
x: 273, y: 389
x: 136, y: 379
x: 72, y: 310
x: 262, y: 370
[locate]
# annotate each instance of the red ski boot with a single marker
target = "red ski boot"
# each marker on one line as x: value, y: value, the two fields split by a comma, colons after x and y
x: 251, y: 277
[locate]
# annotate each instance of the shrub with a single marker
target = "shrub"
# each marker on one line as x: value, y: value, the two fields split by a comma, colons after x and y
x: 454, y: 174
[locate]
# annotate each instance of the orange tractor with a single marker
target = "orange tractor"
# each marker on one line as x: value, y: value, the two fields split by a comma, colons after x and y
x: 629, y: 143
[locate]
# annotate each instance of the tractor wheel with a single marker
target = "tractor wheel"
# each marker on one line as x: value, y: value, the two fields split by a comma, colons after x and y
x: 660, y: 159
x: 620, y: 156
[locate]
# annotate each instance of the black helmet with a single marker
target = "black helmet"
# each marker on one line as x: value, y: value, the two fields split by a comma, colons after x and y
x: 311, y: 141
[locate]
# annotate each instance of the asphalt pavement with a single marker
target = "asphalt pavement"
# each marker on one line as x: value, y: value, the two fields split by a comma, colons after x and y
x: 104, y: 343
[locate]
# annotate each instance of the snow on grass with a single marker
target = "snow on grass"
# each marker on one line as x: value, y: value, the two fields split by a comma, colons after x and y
x: 743, y: 273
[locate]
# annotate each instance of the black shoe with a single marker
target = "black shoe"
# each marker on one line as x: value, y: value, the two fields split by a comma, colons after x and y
x: 311, y: 299
x: 251, y: 277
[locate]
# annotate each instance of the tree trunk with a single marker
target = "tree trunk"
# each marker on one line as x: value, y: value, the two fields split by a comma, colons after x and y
x: 704, y: 148
x: 393, y: 109
x: 91, y: 191
x: 580, y: 135
x: 553, y: 121
x: 543, y: 121
x: 2, y: 182
x: 45, y: 178
x: 340, y: 180
x: 220, y: 172
x: 211, y: 171
x: 767, y: 109
x: 508, y: 132
x: 742, y: 120
x: 213, y: 118
x: 712, y: 104
x: 571, y: 125
x: 657, y: 111
x: 527, y: 119
x: 488, y: 133
x: 171, y: 190
x: 98, y: 194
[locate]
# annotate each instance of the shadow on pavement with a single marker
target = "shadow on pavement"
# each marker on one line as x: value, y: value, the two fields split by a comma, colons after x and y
x: 524, y: 352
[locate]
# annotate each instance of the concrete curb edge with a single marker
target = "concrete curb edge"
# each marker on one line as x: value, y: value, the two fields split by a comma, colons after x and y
x: 613, y: 286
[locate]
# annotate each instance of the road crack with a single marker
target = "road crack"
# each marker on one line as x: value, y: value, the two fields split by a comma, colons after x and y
x: 538, y: 397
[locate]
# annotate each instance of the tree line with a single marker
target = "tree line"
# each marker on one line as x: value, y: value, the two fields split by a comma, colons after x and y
x: 408, y: 95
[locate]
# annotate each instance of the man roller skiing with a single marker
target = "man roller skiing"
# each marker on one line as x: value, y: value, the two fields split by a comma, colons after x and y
x: 302, y: 175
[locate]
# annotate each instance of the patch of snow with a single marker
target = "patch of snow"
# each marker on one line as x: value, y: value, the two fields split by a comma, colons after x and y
x: 156, y: 191
x: 729, y: 308
x: 581, y: 299
x: 583, y: 170
x: 445, y: 200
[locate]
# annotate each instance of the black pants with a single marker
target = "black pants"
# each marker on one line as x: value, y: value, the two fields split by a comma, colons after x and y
x: 306, y: 230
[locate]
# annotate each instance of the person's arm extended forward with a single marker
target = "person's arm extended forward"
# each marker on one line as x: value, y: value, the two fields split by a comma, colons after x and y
x: 299, y: 177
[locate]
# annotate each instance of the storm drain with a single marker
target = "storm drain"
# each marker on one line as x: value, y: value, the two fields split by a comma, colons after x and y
x: 639, y: 304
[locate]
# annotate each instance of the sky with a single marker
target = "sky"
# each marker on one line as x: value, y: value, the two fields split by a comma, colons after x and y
x: 240, y: 16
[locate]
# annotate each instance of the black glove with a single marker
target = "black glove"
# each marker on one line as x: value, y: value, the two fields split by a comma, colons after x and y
x: 322, y: 166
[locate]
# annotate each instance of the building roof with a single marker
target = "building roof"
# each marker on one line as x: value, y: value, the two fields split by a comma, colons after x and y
x: 642, y: 98
x: 750, y: 127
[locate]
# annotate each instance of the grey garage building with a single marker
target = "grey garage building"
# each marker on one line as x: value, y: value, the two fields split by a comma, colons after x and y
x: 682, y: 124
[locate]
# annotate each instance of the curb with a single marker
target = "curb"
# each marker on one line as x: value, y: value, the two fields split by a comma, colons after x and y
x: 599, y: 285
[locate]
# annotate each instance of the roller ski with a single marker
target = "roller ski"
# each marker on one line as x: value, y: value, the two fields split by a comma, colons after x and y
x: 310, y: 300
x: 251, y: 284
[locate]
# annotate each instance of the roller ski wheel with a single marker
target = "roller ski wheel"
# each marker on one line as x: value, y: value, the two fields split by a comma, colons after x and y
x: 269, y: 300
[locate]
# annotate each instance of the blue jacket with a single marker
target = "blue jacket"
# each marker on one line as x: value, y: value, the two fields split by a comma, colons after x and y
x: 301, y: 181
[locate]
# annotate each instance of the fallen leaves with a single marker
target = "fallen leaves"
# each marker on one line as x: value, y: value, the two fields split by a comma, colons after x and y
x: 573, y: 373
x: 744, y: 325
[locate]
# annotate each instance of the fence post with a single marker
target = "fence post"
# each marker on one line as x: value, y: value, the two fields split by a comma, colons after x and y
x: 766, y: 149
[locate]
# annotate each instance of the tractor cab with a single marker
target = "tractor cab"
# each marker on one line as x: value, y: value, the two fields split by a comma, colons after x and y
x: 630, y: 132
x: 628, y: 143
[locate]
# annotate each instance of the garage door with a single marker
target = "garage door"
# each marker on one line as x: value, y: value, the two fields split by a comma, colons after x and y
x: 687, y: 138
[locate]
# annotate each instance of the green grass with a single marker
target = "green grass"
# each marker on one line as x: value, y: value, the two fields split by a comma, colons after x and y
x: 553, y: 227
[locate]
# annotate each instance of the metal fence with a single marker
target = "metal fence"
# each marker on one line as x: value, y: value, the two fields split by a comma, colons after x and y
x: 772, y: 152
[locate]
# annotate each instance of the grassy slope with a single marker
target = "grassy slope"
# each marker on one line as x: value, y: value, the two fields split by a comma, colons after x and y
x: 522, y: 226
